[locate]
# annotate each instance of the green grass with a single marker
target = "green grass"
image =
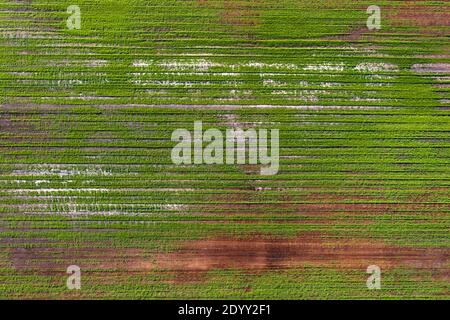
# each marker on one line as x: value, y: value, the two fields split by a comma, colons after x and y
x: 86, y: 118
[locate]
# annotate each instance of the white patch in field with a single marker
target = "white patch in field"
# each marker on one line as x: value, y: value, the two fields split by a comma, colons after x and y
x: 189, y: 73
x: 82, y: 97
x: 258, y: 65
x: 376, y: 67
x: 21, y: 34
x: 442, y: 79
x: 168, y: 83
x: 230, y: 119
x: 174, y: 207
x: 142, y: 64
x: 228, y: 74
x: 61, y: 171
x: 378, y: 76
x: 196, y: 65
x: 72, y: 209
x: 53, y: 191
x: 96, y: 63
x: 233, y: 83
x: 39, y: 182
x: 366, y: 99
x: 262, y: 65
x: 204, y: 65
x: 21, y: 73
x: 310, y: 98
x: 377, y: 84
x: 270, y: 74
x: 273, y: 83
x: 283, y: 92
x: 330, y: 84
x: 325, y: 67
x: 196, y: 54
x: 20, y: 181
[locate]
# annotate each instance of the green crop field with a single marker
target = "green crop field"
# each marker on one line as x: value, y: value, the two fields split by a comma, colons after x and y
x: 87, y: 115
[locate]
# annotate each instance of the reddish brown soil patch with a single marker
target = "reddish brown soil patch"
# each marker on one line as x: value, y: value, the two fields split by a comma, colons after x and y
x: 20, y: 130
x: 256, y: 254
x: 355, y: 35
x: 237, y: 12
x: 8, y: 125
x: 410, y: 13
x: 260, y: 254
x: 413, y: 13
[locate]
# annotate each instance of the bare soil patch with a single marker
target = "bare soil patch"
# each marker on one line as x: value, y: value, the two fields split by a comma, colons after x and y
x: 431, y: 68
x: 254, y: 254
x: 415, y: 13
x: 261, y: 253
x: 237, y: 13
